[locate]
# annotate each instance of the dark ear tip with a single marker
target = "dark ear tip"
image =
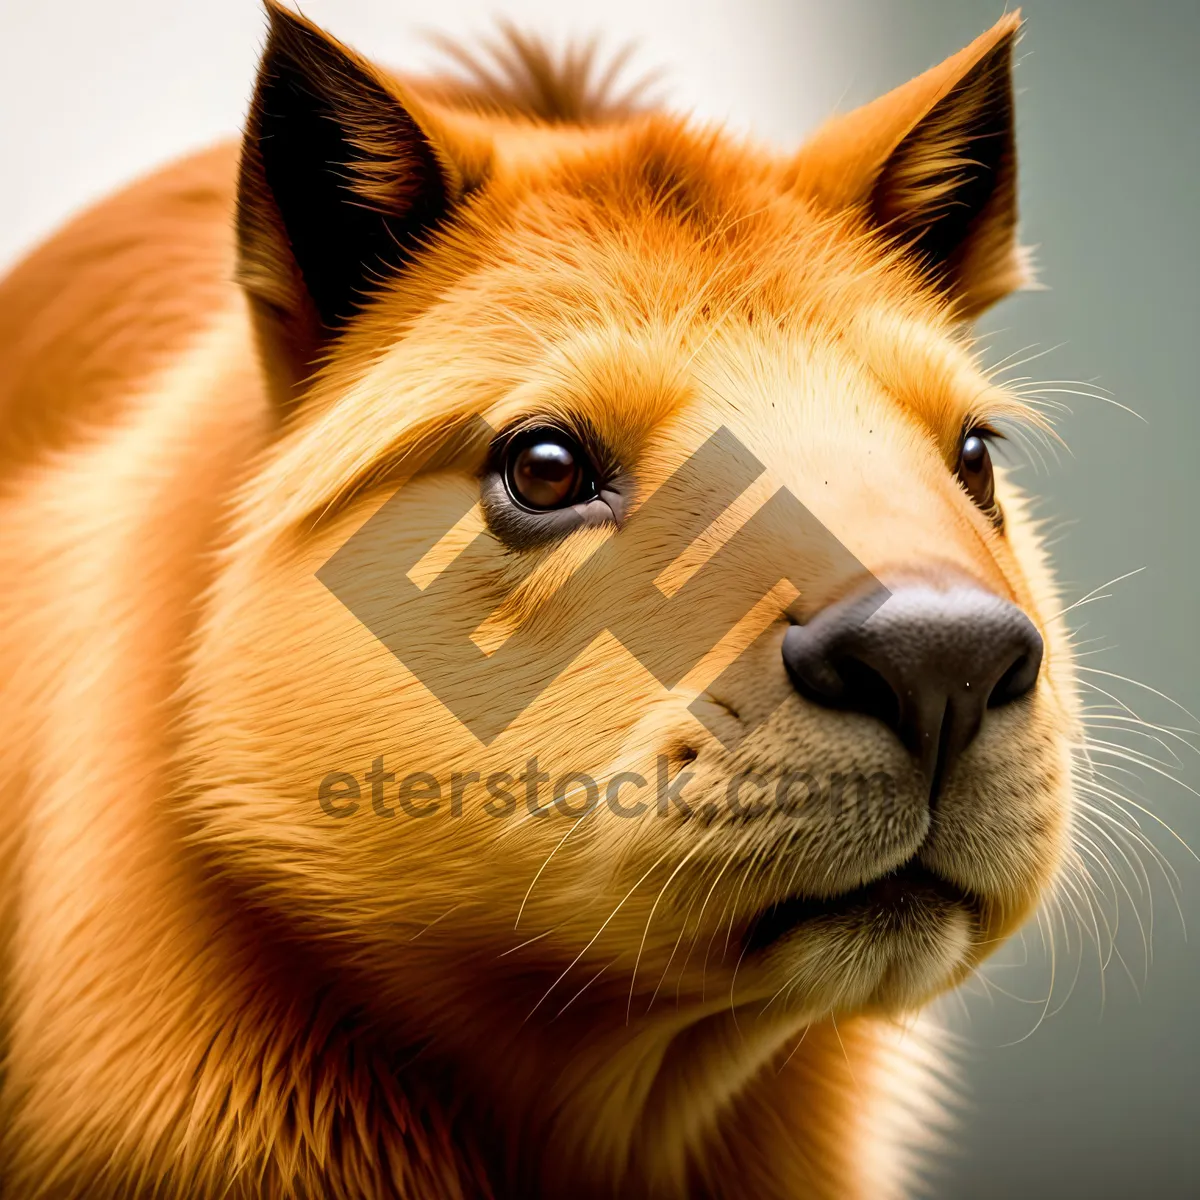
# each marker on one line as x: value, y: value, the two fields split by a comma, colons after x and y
x: 289, y: 29
x: 279, y: 18
x: 299, y: 49
x: 277, y: 11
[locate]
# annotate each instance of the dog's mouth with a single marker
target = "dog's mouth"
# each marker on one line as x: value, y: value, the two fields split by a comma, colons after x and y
x: 911, y: 894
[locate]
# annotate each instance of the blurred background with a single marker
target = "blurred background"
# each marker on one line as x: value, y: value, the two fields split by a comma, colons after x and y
x: 1081, y: 1056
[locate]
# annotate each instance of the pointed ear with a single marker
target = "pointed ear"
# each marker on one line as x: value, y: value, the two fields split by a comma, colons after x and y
x: 933, y: 165
x: 340, y: 177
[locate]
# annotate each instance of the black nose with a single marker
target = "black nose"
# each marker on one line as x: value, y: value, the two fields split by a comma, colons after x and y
x: 927, y: 663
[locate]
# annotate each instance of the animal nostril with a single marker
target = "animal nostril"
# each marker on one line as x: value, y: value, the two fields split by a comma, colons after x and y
x: 1019, y: 679
x: 870, y: 692
x: 929, y: 664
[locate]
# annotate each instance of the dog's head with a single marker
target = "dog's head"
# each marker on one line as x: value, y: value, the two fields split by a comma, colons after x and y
x: 629, y: 623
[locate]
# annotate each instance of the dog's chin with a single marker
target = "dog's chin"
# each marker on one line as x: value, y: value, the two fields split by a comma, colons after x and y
x: 892, y: 944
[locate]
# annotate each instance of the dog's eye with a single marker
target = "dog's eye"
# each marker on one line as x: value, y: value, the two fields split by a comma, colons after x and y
x: 545, y: 469
x: 541, y: 483
x: 975, y: 471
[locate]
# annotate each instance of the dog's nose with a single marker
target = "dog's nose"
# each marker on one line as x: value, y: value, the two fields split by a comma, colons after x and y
x: 927, y: 663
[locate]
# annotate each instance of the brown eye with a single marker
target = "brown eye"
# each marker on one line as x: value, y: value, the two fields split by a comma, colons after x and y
x: 547, y: 470
x: 975, y: 471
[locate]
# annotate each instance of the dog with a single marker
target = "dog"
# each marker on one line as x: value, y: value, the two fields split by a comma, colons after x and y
x: 459, y: 544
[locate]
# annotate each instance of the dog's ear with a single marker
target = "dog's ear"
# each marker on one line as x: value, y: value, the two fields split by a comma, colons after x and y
x: 933, y: 165
x: 340, y: 178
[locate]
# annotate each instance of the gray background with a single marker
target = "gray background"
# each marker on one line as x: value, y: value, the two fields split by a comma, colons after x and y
x: 1097, y: 1099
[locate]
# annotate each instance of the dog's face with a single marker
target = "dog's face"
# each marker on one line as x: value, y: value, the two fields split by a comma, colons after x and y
x: 612, y: 471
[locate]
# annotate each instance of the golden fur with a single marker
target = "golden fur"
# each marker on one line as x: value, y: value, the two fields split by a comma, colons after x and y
x: 211, y: 988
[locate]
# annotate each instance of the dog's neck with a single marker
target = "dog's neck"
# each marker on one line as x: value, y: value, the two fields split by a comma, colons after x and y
x: 680, y: 1102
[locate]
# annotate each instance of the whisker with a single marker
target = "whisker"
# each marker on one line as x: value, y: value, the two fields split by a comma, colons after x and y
x: 546, y: 862
x: 584, y: 988
x: 527, y: 942
x: 653, y: 867
x: 653, y: 909
x: 434, y: 922
x: 1094, y: 594
x: 1145, y: 687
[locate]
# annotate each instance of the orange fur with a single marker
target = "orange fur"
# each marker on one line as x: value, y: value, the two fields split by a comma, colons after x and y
x: 210, y: 988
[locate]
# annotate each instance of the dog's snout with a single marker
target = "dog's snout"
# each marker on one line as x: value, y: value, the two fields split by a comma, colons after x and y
x: 927, y: 663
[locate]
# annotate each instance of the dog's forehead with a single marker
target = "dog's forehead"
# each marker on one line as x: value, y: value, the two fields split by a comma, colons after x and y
x: 677, y: 245
x: 654, y: 221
